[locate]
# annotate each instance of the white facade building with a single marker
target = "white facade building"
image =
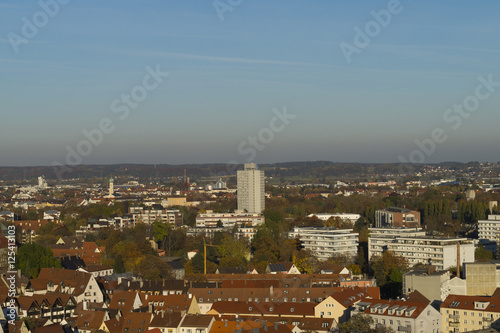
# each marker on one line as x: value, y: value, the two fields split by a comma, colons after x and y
x: 228, y: 219
x: 401, y: 316
x: 42, y: 183
x: 489, y: 228
x: 251, y: 189
x: 381, y: 237
x: 149, y: 216
x: 326, y: 241
x: 352, y: 218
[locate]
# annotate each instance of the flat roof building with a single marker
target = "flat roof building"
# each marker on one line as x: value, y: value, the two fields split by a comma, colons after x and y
x: 326, y: 241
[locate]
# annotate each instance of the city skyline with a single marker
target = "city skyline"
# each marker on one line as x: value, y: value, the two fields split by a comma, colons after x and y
x: 234, y: 74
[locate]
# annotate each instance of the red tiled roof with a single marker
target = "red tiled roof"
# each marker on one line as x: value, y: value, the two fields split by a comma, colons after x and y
x: 263, y: 308
x: 467, y: 303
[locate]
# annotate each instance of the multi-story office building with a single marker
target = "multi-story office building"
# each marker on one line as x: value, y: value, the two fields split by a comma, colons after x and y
x: 228, y: 219
x: 251, y: 189
x: 397, y: 217
x: 470, y: 313
x: 346, y: 217
x: 326, y: 241
x: 381, y: 237
x: 414, y: 245
x: 148, y: 216
x: 487, y: 229
x: 440, y: 252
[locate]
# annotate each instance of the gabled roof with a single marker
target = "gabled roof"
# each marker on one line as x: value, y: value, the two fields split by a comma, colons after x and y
x: 58, y: 276
x: 90, y: 320
x: 72, y: 262
x: 173, y: 303
x: 492, y: 304
x: 417, y: 297
x: 199, y: 321
x: 53, y: 328
x: 350, y: 296
x: 280, y: 267
x: 263, y: 308
x: 166, y: 320
x: 114, y: 325
x: 391, y: 308
x: 134, y: 322
x: 123, y: 300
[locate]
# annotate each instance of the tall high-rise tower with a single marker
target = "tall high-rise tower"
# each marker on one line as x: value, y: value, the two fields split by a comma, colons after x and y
x: 251, y: 190
x: 111, y: 186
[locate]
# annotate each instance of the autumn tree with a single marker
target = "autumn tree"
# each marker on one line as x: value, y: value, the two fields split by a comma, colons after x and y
x: 363, y: 323
x: 481, y: 254
x: 388, y: 269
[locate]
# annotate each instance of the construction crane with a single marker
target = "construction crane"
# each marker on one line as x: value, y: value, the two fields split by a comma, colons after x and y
x: 205, y: 255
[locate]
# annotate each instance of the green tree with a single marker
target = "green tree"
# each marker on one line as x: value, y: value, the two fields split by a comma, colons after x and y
x: 482, y: 254
x: 31, y: 258
x: 362, y: 323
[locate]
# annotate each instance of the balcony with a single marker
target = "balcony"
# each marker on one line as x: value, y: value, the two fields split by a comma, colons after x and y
x: 404, y: 328
x: 454, y: 317
x: 454, y: 324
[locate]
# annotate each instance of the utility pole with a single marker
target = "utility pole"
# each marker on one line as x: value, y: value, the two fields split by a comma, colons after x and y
x: 205, y: 255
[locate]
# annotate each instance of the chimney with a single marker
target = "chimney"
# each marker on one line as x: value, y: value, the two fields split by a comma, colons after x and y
x: 271, y: 290
x: 275, y: 326
x: 190, y: 296
x: 85, y: 305
x: 431, y: 269
x: 225, y: 323
x: 458, y: 259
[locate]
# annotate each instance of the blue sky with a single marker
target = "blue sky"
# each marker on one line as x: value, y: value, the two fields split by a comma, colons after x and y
x: 227, y: 76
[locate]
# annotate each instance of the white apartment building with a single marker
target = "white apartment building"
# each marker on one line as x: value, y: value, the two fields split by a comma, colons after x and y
x: 326, y: 241
x: 414, y: 245
x: 148, y: 216
x: 381, y: 237
x: 401, y: 316
x: 438, y: 251
x: 251, y: 189
x: 228, y: 219
x: 488, y: 229
x: 347, y: 217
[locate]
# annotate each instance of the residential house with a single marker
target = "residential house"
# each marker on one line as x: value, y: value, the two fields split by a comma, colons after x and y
x: 282, y: 268
x: 401, y: 316
x: 467, y: 313
x: 136, y: 322
x: 172, y: 303
x: 83, y: 286
x: 166, y: 322
x: 91, y: 321
x: 196, y: 324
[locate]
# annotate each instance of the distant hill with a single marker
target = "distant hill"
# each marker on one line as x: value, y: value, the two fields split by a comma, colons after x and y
x: 300, y: 170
